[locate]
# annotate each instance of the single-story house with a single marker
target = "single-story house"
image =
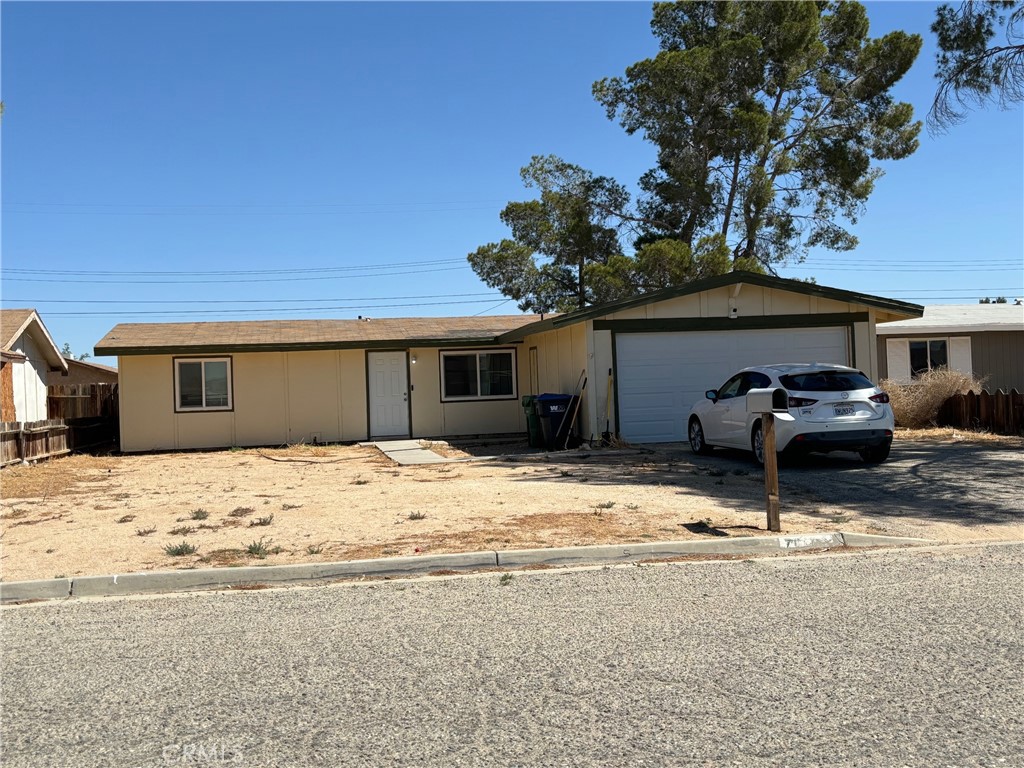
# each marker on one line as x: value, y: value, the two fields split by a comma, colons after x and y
x: 193, y: 385
x: 27, y: 357
x: 84, y: 372
x: 984, y: 339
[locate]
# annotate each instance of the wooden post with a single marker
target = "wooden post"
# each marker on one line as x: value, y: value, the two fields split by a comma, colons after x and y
x: 771, y: 471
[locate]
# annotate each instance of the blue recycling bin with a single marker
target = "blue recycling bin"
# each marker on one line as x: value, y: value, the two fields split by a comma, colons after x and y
x: 553, y: 410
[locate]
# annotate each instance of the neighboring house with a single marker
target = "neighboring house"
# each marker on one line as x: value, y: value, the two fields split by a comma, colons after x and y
x: 27, y: 358
x: 984, y: 339
x: 83, y: 372
x: 194, y: 385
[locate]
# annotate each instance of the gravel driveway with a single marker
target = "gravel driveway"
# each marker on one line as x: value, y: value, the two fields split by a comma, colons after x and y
x: 970, y: 485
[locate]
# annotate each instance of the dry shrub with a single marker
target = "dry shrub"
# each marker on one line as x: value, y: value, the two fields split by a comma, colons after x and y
x: 917, y: 404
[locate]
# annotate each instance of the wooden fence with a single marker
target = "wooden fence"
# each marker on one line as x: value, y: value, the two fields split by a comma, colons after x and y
x: 999, y: 412
x: 32, y: 440
x: 81, y: 401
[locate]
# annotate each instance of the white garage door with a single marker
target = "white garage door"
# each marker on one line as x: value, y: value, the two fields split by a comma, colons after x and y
x: 661, y: 375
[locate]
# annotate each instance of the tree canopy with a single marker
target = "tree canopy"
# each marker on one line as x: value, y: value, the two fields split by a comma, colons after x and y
x: 972, y: 67
x: 768, y: 118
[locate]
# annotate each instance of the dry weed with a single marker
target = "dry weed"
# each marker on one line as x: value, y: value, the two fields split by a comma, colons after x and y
x: 53, y: 477
x: 917, y: 404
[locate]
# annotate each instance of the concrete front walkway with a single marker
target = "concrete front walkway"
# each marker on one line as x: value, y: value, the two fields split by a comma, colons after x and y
x: 408, y: 452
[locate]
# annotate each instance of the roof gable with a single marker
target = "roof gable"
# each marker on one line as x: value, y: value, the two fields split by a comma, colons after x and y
x: 892, y: 306
x: 14, y: 323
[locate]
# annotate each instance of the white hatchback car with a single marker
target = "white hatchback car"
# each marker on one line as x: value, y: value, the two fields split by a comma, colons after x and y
x: 831, y: 408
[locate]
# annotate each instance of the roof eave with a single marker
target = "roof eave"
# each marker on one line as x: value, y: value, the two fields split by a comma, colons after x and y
x: 225, y: 349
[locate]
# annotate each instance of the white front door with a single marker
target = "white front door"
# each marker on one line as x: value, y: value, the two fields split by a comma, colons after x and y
x: 389, y: 394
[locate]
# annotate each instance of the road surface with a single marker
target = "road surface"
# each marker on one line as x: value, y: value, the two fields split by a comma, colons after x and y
x: 900, y: 658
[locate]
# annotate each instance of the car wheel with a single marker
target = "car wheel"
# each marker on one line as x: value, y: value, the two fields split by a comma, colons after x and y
x: 697, y: 443
x: 757, y: 442
x: 875, y: 455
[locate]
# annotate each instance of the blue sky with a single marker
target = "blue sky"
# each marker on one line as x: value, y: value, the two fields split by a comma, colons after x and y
x: 377, y: 143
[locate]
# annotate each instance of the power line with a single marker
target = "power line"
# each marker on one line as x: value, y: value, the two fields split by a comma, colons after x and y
x: 244, y: 301
x: 499, y: 304
x: 918, y: 268
x: 277, y: 310
x: 244, y: 280
x: 249, y: 213
x: 396, y: 264
x: 248, y: 205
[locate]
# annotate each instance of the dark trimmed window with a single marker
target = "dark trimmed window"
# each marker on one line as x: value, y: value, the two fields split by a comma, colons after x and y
x: 202, y: 385
x: 478, y: 375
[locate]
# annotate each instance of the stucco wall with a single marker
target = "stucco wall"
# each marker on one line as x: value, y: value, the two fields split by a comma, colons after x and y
x: 561, y: 356
x: 290, y: 397
x: 277, y: 398
x: 433, y: 418
x: 563, y: 353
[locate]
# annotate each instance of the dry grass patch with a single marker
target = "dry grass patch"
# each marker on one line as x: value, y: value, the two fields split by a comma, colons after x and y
x: 441, y: 448
x: 916, y: 404
x: 225, y: 557
x: 54, y: 477
x: 956, y: 435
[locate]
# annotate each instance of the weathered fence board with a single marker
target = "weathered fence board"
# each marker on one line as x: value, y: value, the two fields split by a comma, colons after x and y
x: 32, y: 440
x: 999, y: 412
x: 81, y: 401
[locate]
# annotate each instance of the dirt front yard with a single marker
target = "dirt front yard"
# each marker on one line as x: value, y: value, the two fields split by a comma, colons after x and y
x: 87, y: 515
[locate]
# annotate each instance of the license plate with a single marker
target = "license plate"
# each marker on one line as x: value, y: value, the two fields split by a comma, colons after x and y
x: 843, y: 410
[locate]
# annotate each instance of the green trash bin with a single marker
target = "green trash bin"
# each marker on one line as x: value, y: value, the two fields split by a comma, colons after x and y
x: 533, y: 430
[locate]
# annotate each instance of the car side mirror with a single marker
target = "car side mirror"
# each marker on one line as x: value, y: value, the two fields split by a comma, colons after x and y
x: 712, y: 395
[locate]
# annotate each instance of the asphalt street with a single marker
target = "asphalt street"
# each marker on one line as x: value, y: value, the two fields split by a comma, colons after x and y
x: 899, y: 658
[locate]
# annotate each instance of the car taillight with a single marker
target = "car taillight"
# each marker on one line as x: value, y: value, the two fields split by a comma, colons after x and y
x: 881, y: 397
x: 800, y: 402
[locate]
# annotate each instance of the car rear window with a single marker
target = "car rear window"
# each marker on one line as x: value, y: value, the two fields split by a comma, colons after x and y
x: 826, y: 381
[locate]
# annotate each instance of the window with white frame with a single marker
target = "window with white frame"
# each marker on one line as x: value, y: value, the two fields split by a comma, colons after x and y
x: 927, y: 355
x: 478, y: 375
x: 202, y: 384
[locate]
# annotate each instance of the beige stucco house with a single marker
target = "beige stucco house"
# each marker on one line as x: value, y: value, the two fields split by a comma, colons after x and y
x: 647, y: 360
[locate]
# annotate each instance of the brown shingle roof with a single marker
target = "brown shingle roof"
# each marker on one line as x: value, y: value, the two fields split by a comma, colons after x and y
x: 11, y: 322
x: 268, y: 335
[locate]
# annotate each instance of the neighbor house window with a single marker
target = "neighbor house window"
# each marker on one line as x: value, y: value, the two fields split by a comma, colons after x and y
x: 203, y: 385
x: 927, y: 355
x: 478, y: 375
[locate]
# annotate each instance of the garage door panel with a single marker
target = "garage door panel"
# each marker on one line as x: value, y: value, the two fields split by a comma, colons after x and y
x: 661, y: 375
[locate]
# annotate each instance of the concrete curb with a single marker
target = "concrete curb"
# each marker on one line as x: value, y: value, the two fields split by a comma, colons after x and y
x: 228, y: 578
x: 46, y: 589
x: 224, y: 578
x: 646, y: 551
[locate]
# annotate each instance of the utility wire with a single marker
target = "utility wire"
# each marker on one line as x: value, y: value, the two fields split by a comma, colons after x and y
x: 178, y: 312
x: 249, y: 205
x: 234, y: 280
x: 246, y: 301
x: 395, y: 265
x: 390, y: 211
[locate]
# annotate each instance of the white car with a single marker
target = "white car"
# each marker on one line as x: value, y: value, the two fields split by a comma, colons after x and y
x: 831, y: 408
